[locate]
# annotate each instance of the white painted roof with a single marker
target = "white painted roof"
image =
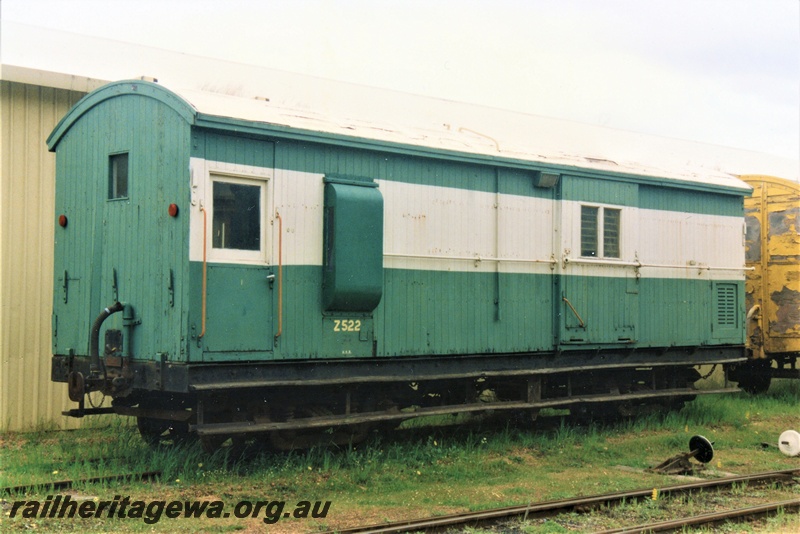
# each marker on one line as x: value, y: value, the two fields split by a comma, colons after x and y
x: 438, y: 124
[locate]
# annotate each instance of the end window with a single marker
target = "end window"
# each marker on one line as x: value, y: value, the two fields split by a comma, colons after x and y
x: 118, y: 176
x: 600, y: 232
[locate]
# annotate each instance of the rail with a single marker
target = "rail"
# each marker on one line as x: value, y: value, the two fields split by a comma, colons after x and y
x: 476, y: 258
x: 566, y: 505
x: 566, y: 261
x: 637, y: 264
x: 705, y: 519
x: 67, y: 484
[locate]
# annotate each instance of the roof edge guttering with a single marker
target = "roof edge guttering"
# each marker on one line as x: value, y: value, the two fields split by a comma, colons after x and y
x: 114, y: 90
x: 235, y: 125
x: 218, y: 119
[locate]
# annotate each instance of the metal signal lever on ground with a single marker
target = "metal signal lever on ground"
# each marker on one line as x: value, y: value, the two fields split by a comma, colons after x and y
x: 699, y: 448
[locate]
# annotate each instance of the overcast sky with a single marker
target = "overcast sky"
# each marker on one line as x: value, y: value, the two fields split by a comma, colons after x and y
x: 725, y: 72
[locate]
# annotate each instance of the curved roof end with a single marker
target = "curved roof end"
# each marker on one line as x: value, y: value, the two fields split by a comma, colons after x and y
x: 113, y: 90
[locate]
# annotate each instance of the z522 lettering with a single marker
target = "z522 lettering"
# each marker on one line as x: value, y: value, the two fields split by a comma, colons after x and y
x: 346, y: 325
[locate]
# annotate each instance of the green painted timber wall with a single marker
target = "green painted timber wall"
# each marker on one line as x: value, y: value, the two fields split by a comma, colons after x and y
x: 612, y: 189
x: 443, y: 312
x: 131, y: 250
x: 128, y: 249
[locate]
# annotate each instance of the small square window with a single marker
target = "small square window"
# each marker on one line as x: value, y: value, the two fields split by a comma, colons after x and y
x: 118, y: 176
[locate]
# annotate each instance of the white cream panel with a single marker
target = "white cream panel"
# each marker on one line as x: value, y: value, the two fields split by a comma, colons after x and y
x: 296, y: 196
x: 440, y: 228
x: 300, y: 201
x: 691, y: 245
x: 659, y: 244
x: 570, y: 259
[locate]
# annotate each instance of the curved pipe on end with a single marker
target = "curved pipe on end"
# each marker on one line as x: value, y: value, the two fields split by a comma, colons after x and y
x: 94, y: 336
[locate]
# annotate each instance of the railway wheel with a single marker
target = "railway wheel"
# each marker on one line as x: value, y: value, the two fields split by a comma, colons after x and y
x: 286, y: 440
x: 754, y: 376
x: 157, y: 432
x: 304, y: 438
x: 211, y: 444
x: 236, y: 446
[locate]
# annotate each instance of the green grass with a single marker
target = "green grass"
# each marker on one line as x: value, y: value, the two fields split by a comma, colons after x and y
x: 480, y: 464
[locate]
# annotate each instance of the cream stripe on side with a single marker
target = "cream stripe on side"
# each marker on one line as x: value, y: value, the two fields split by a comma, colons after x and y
x: 447, y: 229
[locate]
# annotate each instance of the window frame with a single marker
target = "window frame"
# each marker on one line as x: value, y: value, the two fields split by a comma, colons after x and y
x: 597, y: 231
x: 604, y: 211
x: 113, y: 184
x: 600, y: 231
x: 233, y: 255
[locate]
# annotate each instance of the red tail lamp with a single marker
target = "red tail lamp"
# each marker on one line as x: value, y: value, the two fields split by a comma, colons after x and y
x: 173, y: 210
x: 62, y: 221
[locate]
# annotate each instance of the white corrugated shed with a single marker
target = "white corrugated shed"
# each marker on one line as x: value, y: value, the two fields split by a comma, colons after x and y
x: 34, y: 99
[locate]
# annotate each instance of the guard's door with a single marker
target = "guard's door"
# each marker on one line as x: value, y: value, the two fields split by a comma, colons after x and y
x: 240, y: 278
x: 599, y: 287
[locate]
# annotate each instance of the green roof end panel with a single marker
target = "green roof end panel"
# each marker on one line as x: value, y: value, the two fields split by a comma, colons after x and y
x: 117, y: 89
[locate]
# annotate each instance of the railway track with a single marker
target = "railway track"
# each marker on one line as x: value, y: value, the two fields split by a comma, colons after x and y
x: 551, y: 508
x: 710, y: 518
x: 67, y: 484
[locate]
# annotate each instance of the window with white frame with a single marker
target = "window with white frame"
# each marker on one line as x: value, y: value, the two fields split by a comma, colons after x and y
x: 118, y: 176
x: 238, y: 230
x: 600, y: 232
x: 237, y: 216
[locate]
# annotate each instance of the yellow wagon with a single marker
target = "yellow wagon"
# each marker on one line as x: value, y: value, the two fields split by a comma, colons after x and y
x: 772, y: 288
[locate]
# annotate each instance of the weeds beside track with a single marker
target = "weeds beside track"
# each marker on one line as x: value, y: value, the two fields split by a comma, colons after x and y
x: 478, y: 464
x: 583, y: 504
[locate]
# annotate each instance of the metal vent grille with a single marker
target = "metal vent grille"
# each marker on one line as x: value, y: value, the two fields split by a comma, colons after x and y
x: 726, y: 305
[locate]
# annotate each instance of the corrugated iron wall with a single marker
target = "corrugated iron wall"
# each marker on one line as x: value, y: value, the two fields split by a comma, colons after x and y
x: 28, y: 113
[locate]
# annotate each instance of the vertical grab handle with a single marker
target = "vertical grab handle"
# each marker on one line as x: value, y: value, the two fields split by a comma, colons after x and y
x: 280, y: 275
x: 205, y: 271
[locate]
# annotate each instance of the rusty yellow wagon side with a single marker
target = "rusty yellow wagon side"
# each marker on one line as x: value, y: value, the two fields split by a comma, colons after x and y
x: 773, y: 283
